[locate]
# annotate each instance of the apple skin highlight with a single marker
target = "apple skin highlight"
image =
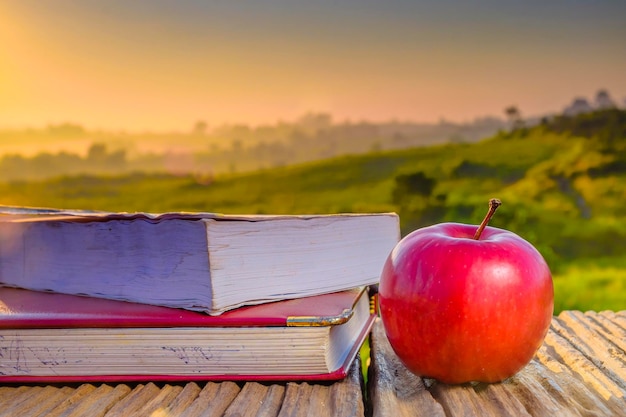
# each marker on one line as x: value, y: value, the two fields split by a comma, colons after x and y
x: 458, y: 309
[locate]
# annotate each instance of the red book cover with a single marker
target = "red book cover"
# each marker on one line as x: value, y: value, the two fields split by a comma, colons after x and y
x: 28, y: 317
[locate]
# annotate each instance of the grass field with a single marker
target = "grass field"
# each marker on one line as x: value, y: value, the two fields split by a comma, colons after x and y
x: 565, y: 194
x: 598, y: 284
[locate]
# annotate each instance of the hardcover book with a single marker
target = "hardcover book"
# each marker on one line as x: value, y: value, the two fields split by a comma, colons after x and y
x: 197, y: 261
x: 51, y: 337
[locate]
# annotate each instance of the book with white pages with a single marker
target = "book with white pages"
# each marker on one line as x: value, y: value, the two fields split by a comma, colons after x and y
x: 198, y: 261
x: 51, y: 337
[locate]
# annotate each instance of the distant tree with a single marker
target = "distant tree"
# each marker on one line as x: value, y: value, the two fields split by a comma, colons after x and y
x: 604, y: 101
x: 99, y: 158
x: 200, y: 128
x: 607, y: 127
x: 314, y: 122
x: 580, y: 105
x: 116, y: 160
x: 515, y: 117
x: 414, y: 184
x: 413, y: 196
x: 13, y: 166
x: 66, y: 129
x: 97, y: 153
x: 237, y: 145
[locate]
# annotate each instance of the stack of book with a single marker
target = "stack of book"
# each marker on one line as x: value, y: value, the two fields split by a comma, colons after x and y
x: 185, y: 296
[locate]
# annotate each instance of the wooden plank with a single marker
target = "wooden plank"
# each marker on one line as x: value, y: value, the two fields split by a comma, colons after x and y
x: 213, y: 400
x: 270, y: 405
x: 183, y: 400
x: 343, y: 398
x: 11, y: 396
x: 98, y: 402
x: 297, y: 397
x: 72, y: 401
x: 619, y: 318
x: 594, y: 345
x: 459, y: 400
x: 569, y: 391
x: 607, y: 328
x: 19, y: 401
x: 157, y: 404
x: 585, y: 383
x: 393, y: 389
x: 477, y: 399
x: 256, y: 398
x: 136, y: 399
x: 346, y: 397
x: 539, y: 395
x: 501, y: 400
x: 569, y: 350
x: 315, y: 402
x: 578, y: 371
x: 8, y: 394
x: 42, y: 406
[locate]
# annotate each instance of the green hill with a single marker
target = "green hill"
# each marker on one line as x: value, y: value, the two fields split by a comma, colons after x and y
x: 562, y: 183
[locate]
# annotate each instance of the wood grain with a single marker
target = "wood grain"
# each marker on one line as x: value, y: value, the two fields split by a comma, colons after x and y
x: 213, y: 400
x: 393, y: 390
x: 135, y: 399
x: 580, y: 370
x: 192, y: 399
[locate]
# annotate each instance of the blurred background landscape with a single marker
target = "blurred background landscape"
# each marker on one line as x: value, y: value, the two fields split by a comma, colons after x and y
x: 424, y: 109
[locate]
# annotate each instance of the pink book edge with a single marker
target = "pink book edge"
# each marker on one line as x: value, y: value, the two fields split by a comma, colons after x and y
x: 33, y: 309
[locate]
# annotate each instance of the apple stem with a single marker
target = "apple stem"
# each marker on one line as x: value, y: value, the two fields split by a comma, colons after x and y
x: 494, y: 203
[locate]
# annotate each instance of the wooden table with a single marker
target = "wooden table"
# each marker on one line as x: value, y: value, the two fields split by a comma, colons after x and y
x: 580, y: 370
x: 343, y: 398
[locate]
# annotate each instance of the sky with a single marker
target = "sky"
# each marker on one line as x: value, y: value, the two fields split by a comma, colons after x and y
x: 157, y: 65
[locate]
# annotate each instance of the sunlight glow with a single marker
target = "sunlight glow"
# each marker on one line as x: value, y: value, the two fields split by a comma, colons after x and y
x: 135, y: 66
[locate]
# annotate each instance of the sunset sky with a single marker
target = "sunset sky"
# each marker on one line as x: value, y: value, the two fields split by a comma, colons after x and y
x: 163, y: 65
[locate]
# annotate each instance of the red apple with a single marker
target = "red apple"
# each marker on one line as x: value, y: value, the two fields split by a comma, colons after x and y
x: 461, y: 303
